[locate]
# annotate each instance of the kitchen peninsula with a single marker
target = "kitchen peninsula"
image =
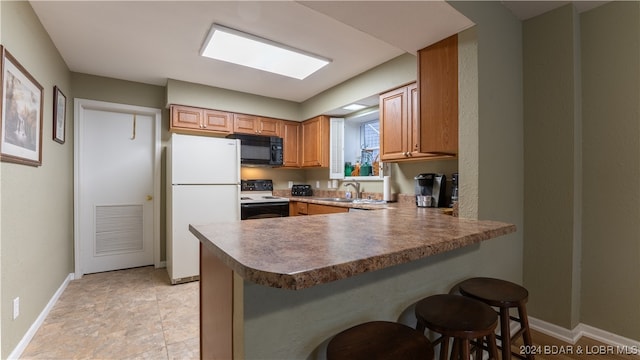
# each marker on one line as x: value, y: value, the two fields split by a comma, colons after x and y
x: 280, y: 288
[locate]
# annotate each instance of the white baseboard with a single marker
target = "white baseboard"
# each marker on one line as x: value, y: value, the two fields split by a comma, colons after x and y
x: 161, y: 264
x: 28, y: 336
x: 572, y: 336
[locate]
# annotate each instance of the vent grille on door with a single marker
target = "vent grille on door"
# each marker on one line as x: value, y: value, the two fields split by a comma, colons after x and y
x: 118, y: 229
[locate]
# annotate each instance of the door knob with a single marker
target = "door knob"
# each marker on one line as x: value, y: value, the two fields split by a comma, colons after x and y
x: 149, y: 197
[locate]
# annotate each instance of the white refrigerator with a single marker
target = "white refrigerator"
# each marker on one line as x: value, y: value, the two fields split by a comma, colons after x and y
x: 204, y: 187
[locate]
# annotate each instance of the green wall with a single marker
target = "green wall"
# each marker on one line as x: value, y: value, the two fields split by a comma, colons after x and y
x: 582, y: 104
x: 185, y: 93
x: 552, y: 166
x: 611, y: 168
x: 37, y: 202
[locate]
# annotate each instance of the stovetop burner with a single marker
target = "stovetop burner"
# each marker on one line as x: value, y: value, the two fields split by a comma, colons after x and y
x: 258, y: 191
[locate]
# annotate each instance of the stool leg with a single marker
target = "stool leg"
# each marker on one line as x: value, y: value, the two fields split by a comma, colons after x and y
x: 465, y: 349
x: 479, y: 349
x: 420, y: 326
x: 444, y: 348
x: 455, y: 349
x: 526, y: 334
x: 505, y: 332
x: 493, y: 349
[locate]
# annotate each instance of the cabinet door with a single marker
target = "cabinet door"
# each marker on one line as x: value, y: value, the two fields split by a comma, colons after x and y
x: 290, y: 139
x: 394, y: 124
x: 297, y: 208
x: 219, y: 121
x: 186, y: 117
x: 317, y: 209
x: 269, y: 127
x: 438, y: 91
x: 315, y: 142
x: 245, y: 124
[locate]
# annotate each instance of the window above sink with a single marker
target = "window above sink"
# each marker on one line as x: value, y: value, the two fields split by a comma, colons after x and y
x: 355, y: 146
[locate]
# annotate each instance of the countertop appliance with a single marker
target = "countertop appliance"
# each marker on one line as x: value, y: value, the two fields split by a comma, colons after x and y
x: 430, y: 190
x: 257, y: 200
x: 204, y: 187
x: 301, y: 190
x: 256, y: 150
x: 454, y: 189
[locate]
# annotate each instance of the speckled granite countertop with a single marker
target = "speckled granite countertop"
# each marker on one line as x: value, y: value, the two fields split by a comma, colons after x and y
x: 303, y: 251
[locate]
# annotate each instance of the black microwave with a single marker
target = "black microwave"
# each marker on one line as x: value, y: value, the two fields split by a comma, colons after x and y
x: 259, y: 150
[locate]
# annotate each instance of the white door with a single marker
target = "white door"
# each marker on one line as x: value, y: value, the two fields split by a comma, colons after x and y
x: 117, y: 194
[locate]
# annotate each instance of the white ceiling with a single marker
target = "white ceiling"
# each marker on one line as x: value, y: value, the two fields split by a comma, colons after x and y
x: 525, y: 9
x: 152, y: 41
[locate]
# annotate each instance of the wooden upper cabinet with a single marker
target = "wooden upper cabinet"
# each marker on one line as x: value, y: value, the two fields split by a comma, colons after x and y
x: 315, y: 142
x: 291, y: 141
x: 218, y: 121
x: 420, y: 120
x: 200, y: 120
x: 438, y: 93
x: 396, y: 123
x: 186, y: 117
x: 269, y: 126
x: 245, y: 124
x: 256, y: 125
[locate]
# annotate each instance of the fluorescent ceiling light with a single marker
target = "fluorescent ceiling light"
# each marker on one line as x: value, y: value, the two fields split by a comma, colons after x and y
x: 354, y: 107
x: 248, y: 50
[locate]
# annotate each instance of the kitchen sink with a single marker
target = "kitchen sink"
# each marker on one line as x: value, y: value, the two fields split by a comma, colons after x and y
x: 368, y: 201
x: 336, y: 199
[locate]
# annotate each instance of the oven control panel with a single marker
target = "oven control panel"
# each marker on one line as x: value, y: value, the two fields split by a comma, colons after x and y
x: 256, y: 185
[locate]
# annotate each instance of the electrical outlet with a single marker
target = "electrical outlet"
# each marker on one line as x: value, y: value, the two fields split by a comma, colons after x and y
x: 16, y: 308
x: 317, y: 184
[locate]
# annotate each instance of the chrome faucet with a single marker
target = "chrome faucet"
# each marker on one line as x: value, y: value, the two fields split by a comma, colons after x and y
x: 356, y: 186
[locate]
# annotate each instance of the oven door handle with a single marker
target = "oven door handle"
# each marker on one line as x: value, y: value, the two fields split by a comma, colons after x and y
x: 248, y: 206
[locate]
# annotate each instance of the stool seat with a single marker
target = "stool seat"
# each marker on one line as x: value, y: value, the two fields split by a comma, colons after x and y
x: 495, y: 292
x: 380, y: 340
x: 503, y: 295
x: 458, y: 317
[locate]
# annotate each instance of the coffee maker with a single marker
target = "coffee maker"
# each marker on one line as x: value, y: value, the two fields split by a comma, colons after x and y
x: 430, y: 190
x: 454, y: 189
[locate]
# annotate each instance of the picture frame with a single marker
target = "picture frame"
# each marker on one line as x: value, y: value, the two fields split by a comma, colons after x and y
x: 59, y: 115
x: 21, y: 108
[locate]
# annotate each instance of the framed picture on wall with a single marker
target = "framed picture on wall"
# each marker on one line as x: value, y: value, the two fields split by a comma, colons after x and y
x: 22, y: 98
x: 59, y: 114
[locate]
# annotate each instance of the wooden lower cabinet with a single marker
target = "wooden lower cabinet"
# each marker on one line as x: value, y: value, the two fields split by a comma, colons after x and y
x: 297, y: 208
x: 317, y: 209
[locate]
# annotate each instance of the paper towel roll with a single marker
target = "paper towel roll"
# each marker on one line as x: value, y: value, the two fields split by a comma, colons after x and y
x: 386, y: 185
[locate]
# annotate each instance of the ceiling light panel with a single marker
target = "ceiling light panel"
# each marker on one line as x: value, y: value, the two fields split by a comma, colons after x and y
x: 244, y: 49
x: 354, y: 107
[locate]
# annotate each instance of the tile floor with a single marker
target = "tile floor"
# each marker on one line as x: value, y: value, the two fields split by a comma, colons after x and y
x: 126, y: 314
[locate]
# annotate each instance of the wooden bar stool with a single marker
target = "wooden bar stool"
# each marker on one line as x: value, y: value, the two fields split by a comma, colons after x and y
x: 379, y: 340
x: 462, y: 319
x: 503, y: 295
